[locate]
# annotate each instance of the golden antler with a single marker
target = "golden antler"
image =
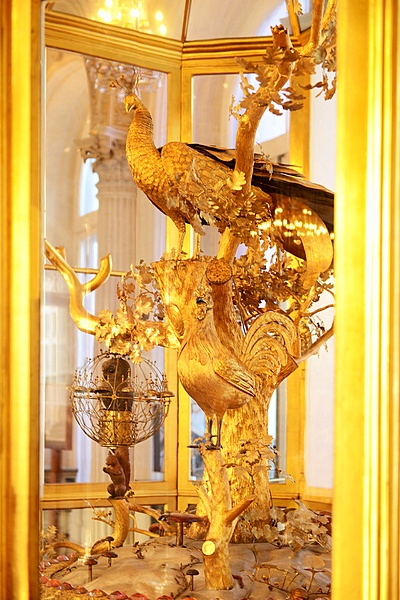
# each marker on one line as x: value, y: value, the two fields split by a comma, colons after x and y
x: 84, y: 320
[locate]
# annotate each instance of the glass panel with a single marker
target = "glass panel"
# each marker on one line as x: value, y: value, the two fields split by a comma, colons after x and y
x: 233, y: 18
x: 320, y: 390
x: 92, y: 208
x: 212, y: 96
x: 214, y: 126
x: 148, y: 16
x: 320, y: 384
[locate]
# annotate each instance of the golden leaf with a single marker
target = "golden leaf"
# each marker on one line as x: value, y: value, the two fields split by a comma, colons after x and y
x: 313, y: 562
x: 144, y: 305
x: 105, y: 317
x: 298, y: 9
x: 237, y: 181
x: 120, y: 346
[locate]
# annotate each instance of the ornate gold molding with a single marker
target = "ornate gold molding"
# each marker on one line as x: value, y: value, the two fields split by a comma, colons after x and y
x: 219, y: 56
x: 366, y: 492
x: 19, y: 298
x: 68, y: 32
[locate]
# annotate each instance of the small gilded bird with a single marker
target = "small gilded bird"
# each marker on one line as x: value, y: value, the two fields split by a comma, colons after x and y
x: 181, y: 178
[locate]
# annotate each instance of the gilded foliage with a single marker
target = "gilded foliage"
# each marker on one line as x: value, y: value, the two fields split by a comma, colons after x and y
x: 138, y: 324
x: 265, y: 278
x: 283, y: 61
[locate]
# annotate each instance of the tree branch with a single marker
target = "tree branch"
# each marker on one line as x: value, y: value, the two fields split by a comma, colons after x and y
x: 317, y: 345
x: 316, y: 26
x: 314, y: 312
x: 320, y: 19
x: 238, y: 509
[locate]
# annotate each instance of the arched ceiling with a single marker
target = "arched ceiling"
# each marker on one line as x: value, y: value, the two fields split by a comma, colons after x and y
x: 189, y: 20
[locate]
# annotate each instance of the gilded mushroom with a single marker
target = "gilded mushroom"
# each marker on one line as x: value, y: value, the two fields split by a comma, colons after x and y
x: 192, y: 573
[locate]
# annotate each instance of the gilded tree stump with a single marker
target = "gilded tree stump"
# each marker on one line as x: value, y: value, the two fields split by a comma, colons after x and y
x: 217, y: 503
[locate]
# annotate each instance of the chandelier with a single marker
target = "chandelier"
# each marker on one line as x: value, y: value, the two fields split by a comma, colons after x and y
x: 132, y: 14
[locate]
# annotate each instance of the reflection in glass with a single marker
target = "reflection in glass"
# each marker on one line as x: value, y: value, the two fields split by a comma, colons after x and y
x: 92, y: 208
x: 156, y: 18
x: 206, y: 19
x: 234, y: 18
x: 213, y: 124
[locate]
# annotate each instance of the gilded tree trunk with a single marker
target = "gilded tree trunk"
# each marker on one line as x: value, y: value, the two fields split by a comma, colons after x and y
x: 217, y: 502
x: 250, y: 422
x: 180, y: 282
x: 121, y: 527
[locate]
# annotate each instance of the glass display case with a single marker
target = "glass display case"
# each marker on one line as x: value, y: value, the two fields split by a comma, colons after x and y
x: 190, y: 68
x: 92, y: 208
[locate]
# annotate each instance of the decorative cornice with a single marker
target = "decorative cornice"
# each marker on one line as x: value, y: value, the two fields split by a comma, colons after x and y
x: 76, y: 34
x: 68, y: 32
x: 221, y: 55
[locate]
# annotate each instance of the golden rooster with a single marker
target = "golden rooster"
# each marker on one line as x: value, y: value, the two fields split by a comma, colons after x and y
x: 210, y: 374
x: 219, y: 379
x: 180, y: 180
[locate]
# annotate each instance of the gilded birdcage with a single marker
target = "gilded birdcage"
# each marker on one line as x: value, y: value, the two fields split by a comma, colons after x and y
x: 118, y: 403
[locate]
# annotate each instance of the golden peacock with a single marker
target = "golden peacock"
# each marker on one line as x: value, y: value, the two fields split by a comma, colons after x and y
x: 181, y: 180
